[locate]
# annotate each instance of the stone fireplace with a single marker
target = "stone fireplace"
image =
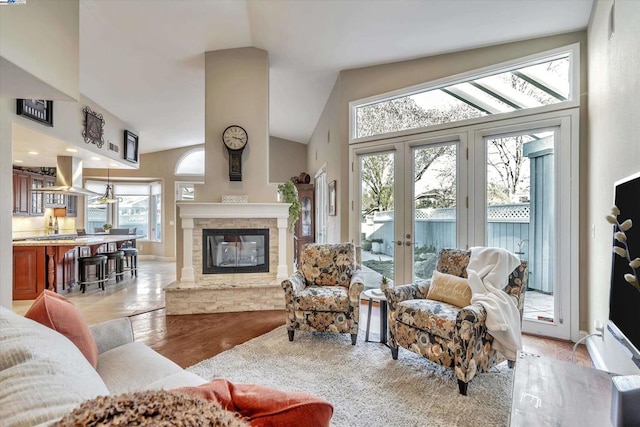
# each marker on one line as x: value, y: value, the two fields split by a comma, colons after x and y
x: 234, y: 258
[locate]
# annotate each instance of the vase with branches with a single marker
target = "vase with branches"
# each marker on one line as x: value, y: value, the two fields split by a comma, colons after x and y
x: 621, y: 246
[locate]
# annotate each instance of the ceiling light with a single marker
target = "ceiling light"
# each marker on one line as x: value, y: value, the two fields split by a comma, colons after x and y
x: 18, y: 161
x: 33, y: 152
x: 95, y: 158
x: 71, y: 150
x: 108, y: 196
x: 115, y: 165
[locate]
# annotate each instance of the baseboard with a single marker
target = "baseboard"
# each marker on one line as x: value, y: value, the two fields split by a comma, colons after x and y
x: 156, y: 258
x: 594, y: 353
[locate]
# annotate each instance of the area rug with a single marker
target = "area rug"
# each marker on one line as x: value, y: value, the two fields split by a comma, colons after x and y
x: 364, y: 384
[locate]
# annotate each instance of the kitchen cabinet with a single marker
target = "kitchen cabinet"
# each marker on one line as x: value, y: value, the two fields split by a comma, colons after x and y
x: 36, y: 207
x: 27, y: 201
x: 21, y: 193
x: 29, y: 270
x: 69, y: 268
x: 52, y: 200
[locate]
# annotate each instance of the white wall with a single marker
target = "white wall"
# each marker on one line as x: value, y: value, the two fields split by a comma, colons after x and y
x: 49, y: 52
x: 614, y: 138
x: 42, y: 38
x: 286, y: 159
x: 237, y: 93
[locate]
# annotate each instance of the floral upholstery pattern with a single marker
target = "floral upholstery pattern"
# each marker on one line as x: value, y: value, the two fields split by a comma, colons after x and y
x: 328, y: 265
x: 454, y: 262
x: 445, y: 334
x: 322, y: 298
x: 324, y: 294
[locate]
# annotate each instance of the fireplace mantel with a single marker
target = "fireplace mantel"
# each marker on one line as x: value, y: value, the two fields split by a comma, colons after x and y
x: 234, y: 210
x: 191, y: 211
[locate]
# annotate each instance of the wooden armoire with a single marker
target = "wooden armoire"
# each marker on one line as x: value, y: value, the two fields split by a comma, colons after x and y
x: 305, y: 227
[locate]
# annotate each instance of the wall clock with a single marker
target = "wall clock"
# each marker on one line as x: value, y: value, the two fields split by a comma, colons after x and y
x: 235, y: 139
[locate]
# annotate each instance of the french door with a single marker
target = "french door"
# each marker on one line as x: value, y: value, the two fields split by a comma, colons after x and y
x: 507, y: 185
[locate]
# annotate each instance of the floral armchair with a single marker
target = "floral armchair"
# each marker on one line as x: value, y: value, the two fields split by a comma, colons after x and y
x: 455, y: 337
x: 324, y: 294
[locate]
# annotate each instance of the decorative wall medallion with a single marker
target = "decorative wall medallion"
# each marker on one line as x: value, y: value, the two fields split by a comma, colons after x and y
x: 93, y: 127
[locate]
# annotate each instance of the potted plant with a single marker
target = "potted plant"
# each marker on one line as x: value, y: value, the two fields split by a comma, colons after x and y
x: 376, y: 245
x: 289, y: 194
x: 384, y: 284
x: 107, y: 227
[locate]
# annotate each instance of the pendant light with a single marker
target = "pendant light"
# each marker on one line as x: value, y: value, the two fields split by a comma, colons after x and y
x: 108, y: 196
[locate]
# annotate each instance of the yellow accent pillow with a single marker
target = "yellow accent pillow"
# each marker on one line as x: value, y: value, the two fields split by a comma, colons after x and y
x: 450, y: 289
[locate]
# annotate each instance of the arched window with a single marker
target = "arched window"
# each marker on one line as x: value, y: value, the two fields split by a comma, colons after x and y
x: 191, y: 162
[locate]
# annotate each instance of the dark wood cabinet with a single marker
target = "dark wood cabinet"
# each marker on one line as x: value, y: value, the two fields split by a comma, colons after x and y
x: 69, y: 268
x: 27, y: 202
x: 53, y: 200
x: 36, y: 207
x: 28, y: 272
x: 305, y: 227
x: 21, y: 193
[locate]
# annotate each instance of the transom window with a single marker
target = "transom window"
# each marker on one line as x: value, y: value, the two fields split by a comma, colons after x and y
x: 532, y: 85
x: 191, y: 162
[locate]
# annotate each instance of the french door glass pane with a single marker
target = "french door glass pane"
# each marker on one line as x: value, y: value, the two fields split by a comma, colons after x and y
x: 521, y: 212
x: 377, y: 220
x: 434, y: 206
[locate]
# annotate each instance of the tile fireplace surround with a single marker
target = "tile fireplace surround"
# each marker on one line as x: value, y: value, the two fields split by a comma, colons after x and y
x: 195, y: 292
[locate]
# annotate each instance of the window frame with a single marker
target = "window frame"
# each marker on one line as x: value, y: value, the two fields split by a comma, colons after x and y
x: 572, y: 50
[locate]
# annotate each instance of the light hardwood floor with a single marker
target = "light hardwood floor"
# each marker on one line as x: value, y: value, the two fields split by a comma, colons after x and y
x: 189, y: 339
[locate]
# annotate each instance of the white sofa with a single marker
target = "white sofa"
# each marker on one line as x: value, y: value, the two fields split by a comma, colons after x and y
x: 44, y: 376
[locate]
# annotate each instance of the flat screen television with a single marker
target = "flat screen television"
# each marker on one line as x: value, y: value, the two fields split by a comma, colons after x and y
x: 624, y: 300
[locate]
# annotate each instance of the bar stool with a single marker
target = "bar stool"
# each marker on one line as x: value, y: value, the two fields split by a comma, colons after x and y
x: 100, y: 262
x: 131, y: 260
x: 118, y: 268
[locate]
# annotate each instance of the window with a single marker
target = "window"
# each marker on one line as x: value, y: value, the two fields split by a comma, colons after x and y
x: 525, y: 86
x: 139, y: 206
x: 185, y: 191
x: 191, y: 162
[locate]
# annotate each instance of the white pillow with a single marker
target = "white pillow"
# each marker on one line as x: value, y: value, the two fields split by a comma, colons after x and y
x: 43, y: 375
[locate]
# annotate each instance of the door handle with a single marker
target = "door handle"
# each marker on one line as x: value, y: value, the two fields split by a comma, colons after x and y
x: 408, y: 243
x: 399, y: 242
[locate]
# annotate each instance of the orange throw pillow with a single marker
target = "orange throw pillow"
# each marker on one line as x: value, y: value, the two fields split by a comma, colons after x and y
x: 61, y: 315
x: 265, y: 406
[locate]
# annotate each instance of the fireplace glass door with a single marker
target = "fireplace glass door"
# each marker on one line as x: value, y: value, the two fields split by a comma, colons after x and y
x: 235, y: 251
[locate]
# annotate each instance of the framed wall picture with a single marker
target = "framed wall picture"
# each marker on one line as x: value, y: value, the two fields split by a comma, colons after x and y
x: 39, y: 110
x: 130, y: 146
x: 93, y: 127
x: 332, y: 198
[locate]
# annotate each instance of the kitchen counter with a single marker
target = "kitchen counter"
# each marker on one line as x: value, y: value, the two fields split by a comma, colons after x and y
x: 90, y: 240
x: 50, y: 262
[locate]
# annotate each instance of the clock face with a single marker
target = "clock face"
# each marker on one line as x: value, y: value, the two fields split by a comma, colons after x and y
x: 235, y: 137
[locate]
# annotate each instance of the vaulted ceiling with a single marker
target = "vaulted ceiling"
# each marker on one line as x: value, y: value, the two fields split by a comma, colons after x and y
x: 143, y: 60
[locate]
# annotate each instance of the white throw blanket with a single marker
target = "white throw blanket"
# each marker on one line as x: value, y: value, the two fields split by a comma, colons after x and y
x: 488, y: 272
